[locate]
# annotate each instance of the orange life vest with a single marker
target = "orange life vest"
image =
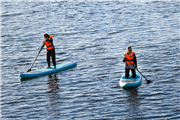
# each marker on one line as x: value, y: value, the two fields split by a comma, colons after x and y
x: 130, y: 58
x: 48, y: 44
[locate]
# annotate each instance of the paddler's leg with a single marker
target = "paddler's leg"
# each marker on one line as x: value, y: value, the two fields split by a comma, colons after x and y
x: 54, y: 58
x: 48, y: 58
x: 126, y: 72
x: 133, y: 73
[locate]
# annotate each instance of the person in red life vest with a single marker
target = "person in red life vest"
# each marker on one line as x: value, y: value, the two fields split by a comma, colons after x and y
x: 48, y: 41
x: 130, y: 62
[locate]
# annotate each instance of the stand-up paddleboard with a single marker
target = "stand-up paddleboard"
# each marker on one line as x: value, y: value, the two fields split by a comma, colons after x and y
x: 130, y: 82
x: 45, y: 71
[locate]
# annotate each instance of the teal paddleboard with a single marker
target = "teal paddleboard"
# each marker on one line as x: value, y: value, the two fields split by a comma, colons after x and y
x: 46, y: 71
x: 130, y: 82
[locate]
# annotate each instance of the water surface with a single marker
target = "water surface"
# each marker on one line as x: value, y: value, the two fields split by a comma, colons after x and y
x: 94, y: 34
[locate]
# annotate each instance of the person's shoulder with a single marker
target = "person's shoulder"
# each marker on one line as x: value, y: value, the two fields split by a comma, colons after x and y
x: 133, y: 53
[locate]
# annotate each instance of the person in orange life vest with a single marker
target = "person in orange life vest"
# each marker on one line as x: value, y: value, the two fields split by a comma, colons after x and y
x: 130, y: 62
x: 48, y: 41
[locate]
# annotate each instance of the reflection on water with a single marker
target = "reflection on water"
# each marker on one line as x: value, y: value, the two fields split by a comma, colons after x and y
x: 24, y: 79
x: 133, y: 102
x: 52, y: 83
x: 53, y: 96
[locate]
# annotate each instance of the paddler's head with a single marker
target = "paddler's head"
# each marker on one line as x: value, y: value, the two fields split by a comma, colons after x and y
x: 129, y: 49
x: 46, y: 36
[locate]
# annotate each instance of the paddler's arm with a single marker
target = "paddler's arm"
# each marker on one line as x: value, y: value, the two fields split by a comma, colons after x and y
x: 124, y: 59
x: 42, y: 47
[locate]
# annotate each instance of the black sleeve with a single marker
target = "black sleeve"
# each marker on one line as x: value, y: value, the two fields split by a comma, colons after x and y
x: 124, y: 59
x: 42, y: 46
x: 135, y: 61
x: 51, y: 40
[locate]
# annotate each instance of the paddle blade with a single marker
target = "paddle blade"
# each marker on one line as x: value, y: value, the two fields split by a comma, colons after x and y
x: 29, y: 70
x: 148, y: 81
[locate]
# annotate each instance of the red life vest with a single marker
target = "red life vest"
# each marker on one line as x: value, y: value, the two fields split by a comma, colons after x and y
x: 48, y: 44
x: 130, y: 58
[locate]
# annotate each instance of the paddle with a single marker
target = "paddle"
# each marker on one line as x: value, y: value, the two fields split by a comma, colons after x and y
x: 34, y: 60
x: 148, y: 81
x: 33, y: 63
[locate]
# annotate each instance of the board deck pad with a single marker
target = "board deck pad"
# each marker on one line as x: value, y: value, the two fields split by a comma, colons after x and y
x: 131, y: 79
x: 51, y: 68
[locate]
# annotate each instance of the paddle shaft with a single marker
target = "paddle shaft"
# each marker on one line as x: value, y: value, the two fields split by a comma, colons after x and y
x: 35, y: 59
x: 141, y: 74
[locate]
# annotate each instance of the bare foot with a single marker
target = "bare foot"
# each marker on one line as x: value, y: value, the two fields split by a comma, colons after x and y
x: 48, y: 67
x: 54, y: 68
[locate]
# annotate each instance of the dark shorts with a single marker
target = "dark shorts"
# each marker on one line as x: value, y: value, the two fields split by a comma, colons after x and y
x: 51, y: 53
x: 127, y: 73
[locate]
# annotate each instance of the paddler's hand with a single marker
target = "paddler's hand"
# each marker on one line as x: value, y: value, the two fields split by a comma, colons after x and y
x: 124, y: 59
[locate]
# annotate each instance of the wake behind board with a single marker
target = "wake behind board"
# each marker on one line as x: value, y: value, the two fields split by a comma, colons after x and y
x: 130, y: 82
x: 45, y: 71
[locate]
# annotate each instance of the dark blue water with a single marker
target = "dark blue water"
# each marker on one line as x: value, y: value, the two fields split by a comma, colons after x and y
x: 95, y: 34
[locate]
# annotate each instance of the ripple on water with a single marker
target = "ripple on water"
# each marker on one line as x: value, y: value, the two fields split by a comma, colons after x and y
x: 95, y: 34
